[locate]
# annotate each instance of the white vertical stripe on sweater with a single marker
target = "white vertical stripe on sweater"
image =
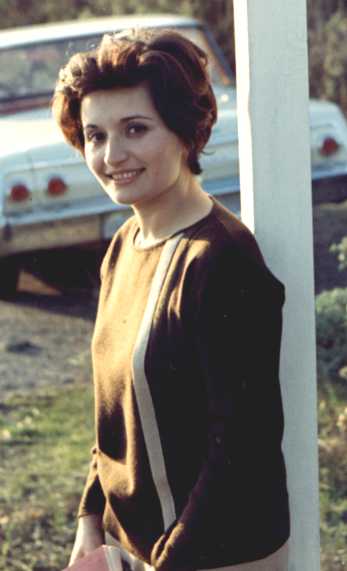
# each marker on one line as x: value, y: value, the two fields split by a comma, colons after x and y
x: 142, y: 391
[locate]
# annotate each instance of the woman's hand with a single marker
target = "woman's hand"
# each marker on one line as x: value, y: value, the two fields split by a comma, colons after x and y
x: 89, y: 536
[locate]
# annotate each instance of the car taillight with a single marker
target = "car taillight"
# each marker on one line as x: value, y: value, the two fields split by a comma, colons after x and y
x: 19, y: 193
x: 329, y: 147
x: 56, y: 186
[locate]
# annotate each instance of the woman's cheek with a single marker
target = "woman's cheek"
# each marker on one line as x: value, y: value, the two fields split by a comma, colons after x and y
x: 93, y: 161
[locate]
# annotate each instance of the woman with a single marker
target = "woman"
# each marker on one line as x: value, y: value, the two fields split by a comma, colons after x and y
x: 187, y: 471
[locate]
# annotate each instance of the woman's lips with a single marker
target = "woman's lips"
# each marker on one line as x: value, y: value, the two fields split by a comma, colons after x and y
x: 126, y: 176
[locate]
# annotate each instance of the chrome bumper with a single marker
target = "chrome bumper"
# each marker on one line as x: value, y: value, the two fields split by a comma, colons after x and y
x: 28, y: 234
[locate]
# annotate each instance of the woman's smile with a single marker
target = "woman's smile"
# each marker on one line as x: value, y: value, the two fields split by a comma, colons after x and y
x: 125, y: 177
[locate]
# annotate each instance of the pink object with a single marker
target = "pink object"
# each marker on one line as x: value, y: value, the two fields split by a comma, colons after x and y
x: 104, y: 558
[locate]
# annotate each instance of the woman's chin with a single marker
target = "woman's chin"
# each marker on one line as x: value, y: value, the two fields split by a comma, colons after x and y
x: 119, y: 196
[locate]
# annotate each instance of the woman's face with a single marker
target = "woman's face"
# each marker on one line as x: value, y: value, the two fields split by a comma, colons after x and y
x: 128, y: 147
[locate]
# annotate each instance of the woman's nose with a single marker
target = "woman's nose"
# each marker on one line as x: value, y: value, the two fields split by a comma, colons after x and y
x: 115, y: 152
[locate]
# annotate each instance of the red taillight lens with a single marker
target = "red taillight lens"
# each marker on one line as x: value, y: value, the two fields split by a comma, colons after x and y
x: 19, y: 193
x: 56, y: 186
x: 329, y: 147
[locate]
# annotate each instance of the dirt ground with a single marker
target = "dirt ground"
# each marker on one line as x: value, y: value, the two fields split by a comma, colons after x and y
x: 44, y: 337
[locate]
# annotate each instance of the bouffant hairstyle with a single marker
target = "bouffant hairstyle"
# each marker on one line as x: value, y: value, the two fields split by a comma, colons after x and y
x: 173, y: 68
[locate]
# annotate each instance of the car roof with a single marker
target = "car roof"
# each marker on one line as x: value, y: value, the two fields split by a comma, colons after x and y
x: 83, y: 28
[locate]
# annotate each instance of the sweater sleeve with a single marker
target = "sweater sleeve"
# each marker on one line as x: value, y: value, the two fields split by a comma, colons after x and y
x: 237, y: 336
x: 93, y: 499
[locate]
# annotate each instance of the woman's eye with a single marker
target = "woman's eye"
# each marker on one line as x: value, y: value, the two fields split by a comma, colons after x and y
x: 136, y: 129
x: 95, y: 137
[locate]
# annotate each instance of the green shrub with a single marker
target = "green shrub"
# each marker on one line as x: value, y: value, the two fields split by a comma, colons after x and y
x: 331, y: 328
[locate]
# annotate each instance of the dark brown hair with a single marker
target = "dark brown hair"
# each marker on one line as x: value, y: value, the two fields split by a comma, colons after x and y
x: 173, y: 67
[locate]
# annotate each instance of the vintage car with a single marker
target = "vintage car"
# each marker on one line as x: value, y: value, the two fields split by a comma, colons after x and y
x: 48, y: 199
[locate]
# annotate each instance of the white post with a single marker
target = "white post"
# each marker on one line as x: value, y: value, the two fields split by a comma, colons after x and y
x: 274, y: 147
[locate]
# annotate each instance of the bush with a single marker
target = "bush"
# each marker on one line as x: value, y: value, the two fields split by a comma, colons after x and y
x: 331, y: 327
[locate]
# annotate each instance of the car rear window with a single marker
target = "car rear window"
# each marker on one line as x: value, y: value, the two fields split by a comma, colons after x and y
x: 31, y: 71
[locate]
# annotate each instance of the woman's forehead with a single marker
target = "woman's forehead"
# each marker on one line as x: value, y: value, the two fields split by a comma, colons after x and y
x: 118, y: 101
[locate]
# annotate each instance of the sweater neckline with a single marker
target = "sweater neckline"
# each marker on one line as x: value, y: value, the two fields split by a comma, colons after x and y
x: 161, y: 242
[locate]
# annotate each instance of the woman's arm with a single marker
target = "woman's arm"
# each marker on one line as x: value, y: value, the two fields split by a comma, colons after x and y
x: 89, y: 534
x: 93, y: 499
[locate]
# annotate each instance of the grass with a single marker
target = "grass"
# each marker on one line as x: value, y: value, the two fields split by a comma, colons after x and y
x: 333, y: 474
x: 44, y: 442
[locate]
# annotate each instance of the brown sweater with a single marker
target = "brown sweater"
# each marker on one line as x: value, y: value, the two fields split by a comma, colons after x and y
x: 187, y: 469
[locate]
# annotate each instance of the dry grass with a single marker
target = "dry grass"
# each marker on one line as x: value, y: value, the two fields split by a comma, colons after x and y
x: 44, y: 437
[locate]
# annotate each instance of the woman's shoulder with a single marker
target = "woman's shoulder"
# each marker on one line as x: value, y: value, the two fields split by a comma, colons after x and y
x: 119, y: 241
x: 221, y: 233
x: 124, y: 230
x: 223, y: 248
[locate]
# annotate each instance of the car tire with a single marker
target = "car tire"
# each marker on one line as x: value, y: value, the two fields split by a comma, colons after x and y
x: 9, y: 275
x: 67, y: 270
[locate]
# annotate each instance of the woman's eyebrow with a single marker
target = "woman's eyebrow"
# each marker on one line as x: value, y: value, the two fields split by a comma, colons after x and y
x: 89, y: 126
x: 131, y: 117
x: 122, y: 120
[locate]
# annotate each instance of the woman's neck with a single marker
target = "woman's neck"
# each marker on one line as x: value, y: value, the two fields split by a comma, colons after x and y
x: 171, y: 211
